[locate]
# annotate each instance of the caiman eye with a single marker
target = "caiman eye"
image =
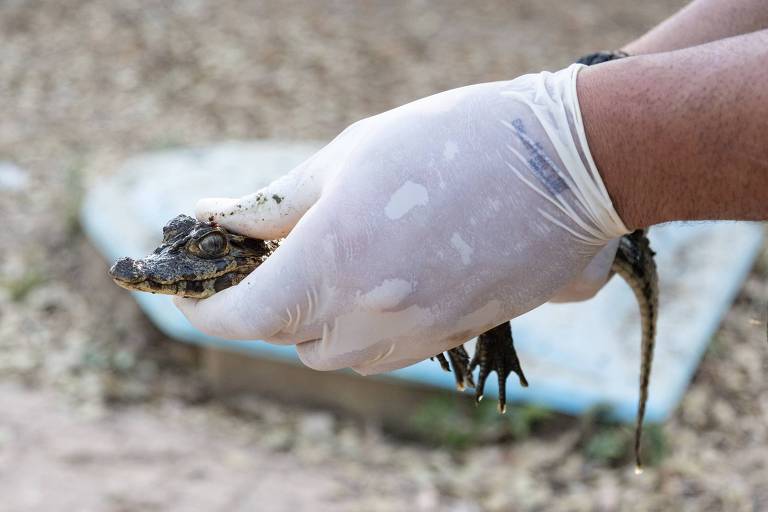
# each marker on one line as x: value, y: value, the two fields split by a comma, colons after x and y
x: 213, y: 244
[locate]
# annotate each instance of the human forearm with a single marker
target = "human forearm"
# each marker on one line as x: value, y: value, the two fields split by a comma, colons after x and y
x: 700, y: 22
x: 682, y: 135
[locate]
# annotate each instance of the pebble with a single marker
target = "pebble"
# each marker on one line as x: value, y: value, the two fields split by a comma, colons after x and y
x: 13, y: 177
x: 316, y: 426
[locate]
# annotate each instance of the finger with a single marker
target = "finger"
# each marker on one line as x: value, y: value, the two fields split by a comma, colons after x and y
x: 270, y: 304
x: 347, y: 349
x: 592, y: 278
x: 317, y: 354
x: 368, y: 341
x: 269, y: 213
x: 221, y: 317
x: 313, y: 354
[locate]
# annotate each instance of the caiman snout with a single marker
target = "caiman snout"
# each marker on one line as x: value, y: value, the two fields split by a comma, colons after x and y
x: 126, y: 270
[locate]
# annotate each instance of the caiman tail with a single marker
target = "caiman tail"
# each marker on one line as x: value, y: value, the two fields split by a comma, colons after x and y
x: 634, y: 262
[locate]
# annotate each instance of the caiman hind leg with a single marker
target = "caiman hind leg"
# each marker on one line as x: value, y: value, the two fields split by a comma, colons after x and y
x: 495, y: 351
x: 459, y: 363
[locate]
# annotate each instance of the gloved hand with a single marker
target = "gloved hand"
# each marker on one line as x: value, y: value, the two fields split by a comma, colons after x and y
x: 592, y: 279
x: 419, y: 228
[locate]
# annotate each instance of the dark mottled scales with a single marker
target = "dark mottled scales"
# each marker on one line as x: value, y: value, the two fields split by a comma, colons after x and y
x: 495, y: 352
x: 194, y: 287
x: 460, y: 365
x: 184, y: 265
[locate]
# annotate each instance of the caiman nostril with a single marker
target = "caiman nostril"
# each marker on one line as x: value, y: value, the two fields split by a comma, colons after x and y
x: 126, y: 269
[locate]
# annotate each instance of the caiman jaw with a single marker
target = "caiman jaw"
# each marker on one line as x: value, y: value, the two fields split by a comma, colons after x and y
x: 127, y: 271
x: 149, y: 286
x: 201, y: 289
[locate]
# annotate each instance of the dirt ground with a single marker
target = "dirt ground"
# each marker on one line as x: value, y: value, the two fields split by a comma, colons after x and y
x: 98, y: 412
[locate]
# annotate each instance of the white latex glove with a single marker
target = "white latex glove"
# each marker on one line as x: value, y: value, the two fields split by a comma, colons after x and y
x: 419, y: 228
x: 592, y: 278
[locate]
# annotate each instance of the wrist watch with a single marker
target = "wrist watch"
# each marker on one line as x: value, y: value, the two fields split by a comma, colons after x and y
x: 599, y: 57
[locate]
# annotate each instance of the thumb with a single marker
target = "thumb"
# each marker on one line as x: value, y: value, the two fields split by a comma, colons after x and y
x: 269, y: 213
x: 592, y: 278
x: 262, y: 306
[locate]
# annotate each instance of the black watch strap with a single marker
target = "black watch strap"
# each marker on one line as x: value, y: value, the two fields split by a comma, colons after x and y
x: 599, y: 57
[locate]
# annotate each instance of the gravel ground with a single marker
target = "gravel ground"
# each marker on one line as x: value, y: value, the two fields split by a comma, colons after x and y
x: 99, y: 412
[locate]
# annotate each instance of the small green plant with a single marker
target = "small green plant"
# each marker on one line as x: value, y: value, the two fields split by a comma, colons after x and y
x: 20, y: 287
x: 73, y: 198
x: 761, y: 266
x: 608, y: 445
x: 457, y: 424
x: 442, y: 422
x: 654, y: 444
x: 166, y: 143
x: 522, y: 420
x: 608, y: 442
x: 717, y: 346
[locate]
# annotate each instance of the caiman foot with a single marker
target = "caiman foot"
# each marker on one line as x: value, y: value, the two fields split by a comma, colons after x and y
x: 495, y: 351
x: 460, y: 366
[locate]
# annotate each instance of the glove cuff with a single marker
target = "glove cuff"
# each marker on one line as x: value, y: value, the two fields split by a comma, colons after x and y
x: 589, y: 182
x: 584, y: 199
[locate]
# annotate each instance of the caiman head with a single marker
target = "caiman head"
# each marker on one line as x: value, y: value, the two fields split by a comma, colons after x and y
x: 195, y: 259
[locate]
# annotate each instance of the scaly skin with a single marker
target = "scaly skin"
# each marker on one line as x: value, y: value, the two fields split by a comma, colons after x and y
x: 495, y: 351
x: 460, y: 366
x: 634, y: 262
x: 195, y: 259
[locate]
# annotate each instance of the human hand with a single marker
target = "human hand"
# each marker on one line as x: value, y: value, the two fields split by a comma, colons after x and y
x: 419, y: 228
x: 592, y: 279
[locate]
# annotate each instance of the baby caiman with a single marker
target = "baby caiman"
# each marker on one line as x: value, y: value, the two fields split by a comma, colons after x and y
x: 198, y: 259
